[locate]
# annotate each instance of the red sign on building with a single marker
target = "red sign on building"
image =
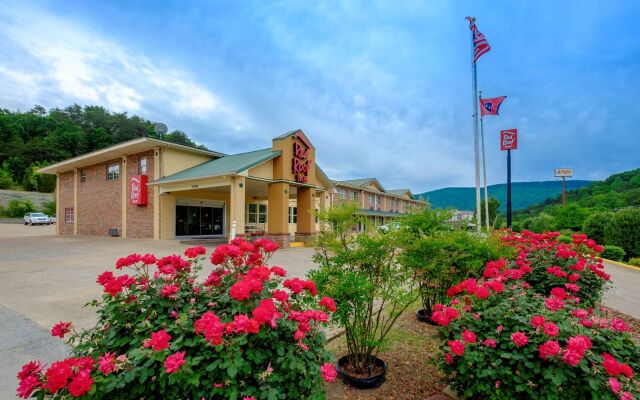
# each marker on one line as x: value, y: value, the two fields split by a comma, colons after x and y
x: 138, y: 190
x: 509, y: 139
x: 300, y: 162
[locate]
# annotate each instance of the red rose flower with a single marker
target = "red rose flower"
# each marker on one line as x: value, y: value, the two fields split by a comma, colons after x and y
x: 457, y: 347
x: 174, y: 362
x: 469, y: 336
x: 160, y: 340
x: 328, y: 303
x: 80, y: 384
x: 27, y: 386
x: 548, y: 349
x: 551, y: 329
x: 519, y: 338
x: 170, y: 291
x: 266, y: 312
x: 537, y: 321
x: 60, y: 329
x: 193, y: 252
x: 328, y: 372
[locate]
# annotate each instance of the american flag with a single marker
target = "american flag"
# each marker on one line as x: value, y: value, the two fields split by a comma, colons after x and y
x: 480, y: 44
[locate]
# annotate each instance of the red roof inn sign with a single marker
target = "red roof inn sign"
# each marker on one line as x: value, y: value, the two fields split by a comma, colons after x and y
x: 300, y: 161
x: 509, y: 139
x: 138, y: 190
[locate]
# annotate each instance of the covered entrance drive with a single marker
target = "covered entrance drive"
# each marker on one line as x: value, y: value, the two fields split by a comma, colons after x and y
x: 199, y: 218
x: 273, y: 192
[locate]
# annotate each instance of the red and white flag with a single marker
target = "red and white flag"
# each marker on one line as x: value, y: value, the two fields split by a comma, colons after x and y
x: 491, y: 106
x: 480, y: 44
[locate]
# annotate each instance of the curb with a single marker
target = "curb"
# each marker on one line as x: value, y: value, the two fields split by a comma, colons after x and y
x: 627, y: 266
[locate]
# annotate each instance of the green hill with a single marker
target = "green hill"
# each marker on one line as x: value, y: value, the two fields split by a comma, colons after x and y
x: 523, y: 194
x: 617, y: 191
x: 38, y: 137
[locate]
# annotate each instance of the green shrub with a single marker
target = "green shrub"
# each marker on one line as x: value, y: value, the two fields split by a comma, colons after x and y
x: 634, y: 261
x: 49, y: 207
x: 570, y: 216
x: 564, y: 239
x: 624, y: 230
x: 542, y: 223
x: 595, y: 224
x: 614, y: 253
x: 18, y: 208
x: 6, y: 182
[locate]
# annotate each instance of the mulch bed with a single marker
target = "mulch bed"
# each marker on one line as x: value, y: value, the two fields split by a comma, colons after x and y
x: 412, y: 374
x: 410, y: 355
x: 633, y: 323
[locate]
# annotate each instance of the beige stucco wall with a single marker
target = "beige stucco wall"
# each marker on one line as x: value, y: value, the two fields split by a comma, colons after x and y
x: 264, y: 170
x: 174, y: 160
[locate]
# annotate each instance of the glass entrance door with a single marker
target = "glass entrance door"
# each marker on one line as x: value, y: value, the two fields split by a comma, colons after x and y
x: 199, y: 220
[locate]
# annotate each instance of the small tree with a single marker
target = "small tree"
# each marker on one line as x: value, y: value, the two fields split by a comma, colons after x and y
x: 361, y: 272
x: 17, y: 208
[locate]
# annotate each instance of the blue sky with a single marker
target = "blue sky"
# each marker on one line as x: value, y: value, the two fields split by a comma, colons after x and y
x: 381, y: 88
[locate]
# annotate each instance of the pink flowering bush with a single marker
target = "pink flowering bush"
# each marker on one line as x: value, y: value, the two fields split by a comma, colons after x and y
x: 573, y: 267
x: 505, y: 339
x: 245, y: 331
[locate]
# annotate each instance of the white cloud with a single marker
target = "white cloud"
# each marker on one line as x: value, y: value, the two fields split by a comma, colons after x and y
x: 73, y: 64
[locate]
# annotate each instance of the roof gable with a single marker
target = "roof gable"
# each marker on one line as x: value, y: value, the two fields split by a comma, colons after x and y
x: 362, y: 183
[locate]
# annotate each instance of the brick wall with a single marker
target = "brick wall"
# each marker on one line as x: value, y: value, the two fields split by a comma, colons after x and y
x: 99, y: 201
x: 140, y: 218
x: 66, y: 201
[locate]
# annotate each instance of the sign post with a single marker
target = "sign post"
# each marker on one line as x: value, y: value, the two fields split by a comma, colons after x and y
x: 563, y: 173
x: 508, y: 142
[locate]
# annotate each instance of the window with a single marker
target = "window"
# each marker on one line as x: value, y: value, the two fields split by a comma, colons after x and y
x: 256, y: 213
x: 83, y: 175
x: 316, y: 214
x: 293, y: 215
x: 142, y: 166
x: 68, y: 215
x: 113, y: 171
x: 342, y: 193
x: 354, y: 195
x: 378, y: 200
x: 370, y: 199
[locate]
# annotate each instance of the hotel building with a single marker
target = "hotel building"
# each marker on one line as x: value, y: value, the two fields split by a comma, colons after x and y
x: 378, y: 204
x: 150, y: 188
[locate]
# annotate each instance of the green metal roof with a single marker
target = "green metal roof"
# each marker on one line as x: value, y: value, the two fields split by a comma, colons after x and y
x: 357, y: 182
x: 232, y: 164
x: 287, y: 134
x: 398, y: 192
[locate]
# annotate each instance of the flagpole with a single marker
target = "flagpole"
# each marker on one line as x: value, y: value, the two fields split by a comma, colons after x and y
x: 475, y: 135
x: 484, y: 170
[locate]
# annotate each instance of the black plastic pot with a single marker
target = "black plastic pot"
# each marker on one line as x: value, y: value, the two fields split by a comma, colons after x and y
x: 424, y: 316
x: 371, y: 382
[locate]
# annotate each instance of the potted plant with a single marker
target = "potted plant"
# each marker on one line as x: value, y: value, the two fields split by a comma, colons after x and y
x: 370, y: 287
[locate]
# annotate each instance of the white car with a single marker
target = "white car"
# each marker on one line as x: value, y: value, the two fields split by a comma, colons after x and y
x: 53, y: 219
x: 36, y: 218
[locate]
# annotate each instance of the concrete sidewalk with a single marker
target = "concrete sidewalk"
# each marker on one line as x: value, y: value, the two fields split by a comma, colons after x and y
x: 22, y: 341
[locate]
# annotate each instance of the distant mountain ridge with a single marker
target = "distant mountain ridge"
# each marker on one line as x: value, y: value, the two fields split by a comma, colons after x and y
x: 523, y: 194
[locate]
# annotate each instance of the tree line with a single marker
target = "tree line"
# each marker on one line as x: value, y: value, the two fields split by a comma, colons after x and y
x: 39, y: 137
